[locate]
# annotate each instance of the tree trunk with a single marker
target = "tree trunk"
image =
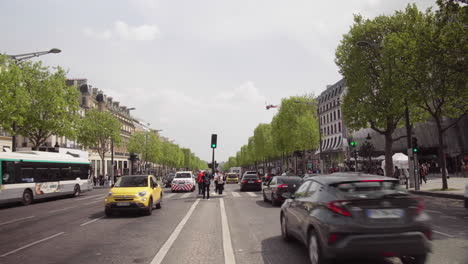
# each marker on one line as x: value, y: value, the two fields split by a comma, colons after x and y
x: 304, y: 162
x: 388, y: 154
x: 442, y: 160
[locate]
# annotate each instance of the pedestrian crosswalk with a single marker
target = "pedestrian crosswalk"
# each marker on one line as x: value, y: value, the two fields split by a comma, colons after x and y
x: 228, y: 194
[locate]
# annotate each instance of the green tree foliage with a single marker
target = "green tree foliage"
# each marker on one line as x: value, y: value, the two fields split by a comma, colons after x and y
x: 96, y: 131
x: 147, y: 145
x: 14, y: 101
x: 52, y: 105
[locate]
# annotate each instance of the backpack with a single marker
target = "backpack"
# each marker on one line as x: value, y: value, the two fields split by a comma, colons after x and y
x: 207, y: 178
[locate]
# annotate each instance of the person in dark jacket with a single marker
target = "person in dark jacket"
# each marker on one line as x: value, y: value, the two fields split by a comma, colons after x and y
x: 206, y: 185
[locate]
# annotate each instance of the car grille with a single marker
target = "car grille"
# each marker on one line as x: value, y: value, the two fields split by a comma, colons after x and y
x: 123, y: 199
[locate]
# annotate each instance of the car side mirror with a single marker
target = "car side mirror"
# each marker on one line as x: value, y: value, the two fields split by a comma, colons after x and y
x: 288, y: 195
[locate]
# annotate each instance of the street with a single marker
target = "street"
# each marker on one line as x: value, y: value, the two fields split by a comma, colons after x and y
x: 237, y: 227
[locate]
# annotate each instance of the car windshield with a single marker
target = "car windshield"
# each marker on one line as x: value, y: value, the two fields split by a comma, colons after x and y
x: 250, y: 177
x: 132, y: 181
x: 182, y: 175
x: 290, y: 180
x: 232, y: 176
x: 369, y: 189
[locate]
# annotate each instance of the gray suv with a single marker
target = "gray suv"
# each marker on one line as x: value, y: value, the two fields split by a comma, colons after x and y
x: 352, y: 215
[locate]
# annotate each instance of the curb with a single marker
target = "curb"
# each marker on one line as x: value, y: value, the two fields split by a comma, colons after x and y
x: 442, y: 195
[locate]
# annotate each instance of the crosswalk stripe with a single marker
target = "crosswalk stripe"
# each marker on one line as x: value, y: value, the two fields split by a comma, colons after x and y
x: 252, y: 194
x: 235, y: 194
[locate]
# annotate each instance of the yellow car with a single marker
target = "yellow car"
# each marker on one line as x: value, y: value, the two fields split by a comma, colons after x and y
x: 134, y: 192
x: 232, y: 178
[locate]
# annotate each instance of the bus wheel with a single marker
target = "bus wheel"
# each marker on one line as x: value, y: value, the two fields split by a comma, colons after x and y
x: 27, y: 197
x: 76, y: 191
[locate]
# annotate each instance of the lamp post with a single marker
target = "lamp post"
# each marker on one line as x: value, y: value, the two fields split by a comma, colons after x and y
x: 18, y: 58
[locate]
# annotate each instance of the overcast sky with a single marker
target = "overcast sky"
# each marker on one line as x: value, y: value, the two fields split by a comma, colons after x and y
x: 192, y: 67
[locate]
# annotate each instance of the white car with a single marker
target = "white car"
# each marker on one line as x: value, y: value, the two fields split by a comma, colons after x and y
x: 466, y: 195
x: 183, y: 181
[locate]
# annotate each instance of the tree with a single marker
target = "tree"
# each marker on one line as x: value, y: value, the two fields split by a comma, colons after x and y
x: 376, y: 93
x: 146, y: 144
x: 14, y: 101
x: 434, y: 51
x: 53, y: 106
x: 97, y: 130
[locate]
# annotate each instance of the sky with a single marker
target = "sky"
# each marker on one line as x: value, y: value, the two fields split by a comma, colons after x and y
x: 192, y: 68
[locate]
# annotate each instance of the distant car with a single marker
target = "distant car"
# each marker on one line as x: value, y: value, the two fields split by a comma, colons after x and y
x: 134, y: 192
x: 232, y: 178
x: 167, y: 180
x: 466, y: 195
x: 183, y: 181
x: 357, y: 216
x: 274, y: 189
x: 250, y: 181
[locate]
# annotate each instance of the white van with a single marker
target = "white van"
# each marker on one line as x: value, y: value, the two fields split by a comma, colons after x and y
x: 236, y: 170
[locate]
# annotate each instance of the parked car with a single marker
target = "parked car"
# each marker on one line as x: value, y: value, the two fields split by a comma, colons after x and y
x: 232, y: 178
x: 274, y: 189
x: 183, y: 181
x: 355, y: 215
x: 250, y: 181
x: 134, y: 192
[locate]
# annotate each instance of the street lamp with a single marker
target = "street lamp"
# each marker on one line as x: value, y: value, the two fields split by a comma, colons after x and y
x: 19, y: 58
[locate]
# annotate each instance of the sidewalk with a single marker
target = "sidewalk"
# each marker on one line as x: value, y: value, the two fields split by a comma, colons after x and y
x: 456, y: 188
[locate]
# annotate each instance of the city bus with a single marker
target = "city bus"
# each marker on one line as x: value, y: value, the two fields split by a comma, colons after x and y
x: 31, y: 175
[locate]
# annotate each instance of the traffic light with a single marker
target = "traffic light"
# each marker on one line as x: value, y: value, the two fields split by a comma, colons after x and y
x: 214, y: 139
x: 352, y: 143
x: 414, y: 142
x: 209, y: 165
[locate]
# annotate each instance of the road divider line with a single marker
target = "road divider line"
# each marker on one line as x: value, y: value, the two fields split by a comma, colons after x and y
x: 92, y: 221
x: 235, y: 194
x: 16, y: 220
x: 430, y: 211
x: 63, y: 209
x: 168, y: 195
x: 437, y: 232
x: 168, y: 244
x: 88, y: 197
x: 252, y: 194
x: 227, y: 243
x: 450, y: 217
x: 185, y: 195
x: 95, y: 202
x: 32, y: 244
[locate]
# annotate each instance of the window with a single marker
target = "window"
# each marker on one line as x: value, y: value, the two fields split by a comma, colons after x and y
x: 27, y: 175
x: 339, y: 127
x: 339, y: 114
x: 8, y: 172
x: 336, y: 131
x: 334, y: 115
x: 314, y: 187
x: 302, y: 190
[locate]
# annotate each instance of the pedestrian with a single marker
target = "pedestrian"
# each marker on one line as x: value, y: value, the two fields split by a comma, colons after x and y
x: 206, y: 185
x: 215, y: 177
x: 396, y: 173
x: 219, y: 178
x: 94, y: 180
x: 422, y: 173
x: 200, y: 182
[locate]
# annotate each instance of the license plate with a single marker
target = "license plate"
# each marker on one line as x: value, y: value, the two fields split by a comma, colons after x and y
x: 251, y: 181
x: 385, y: 213
x: 123, y: 204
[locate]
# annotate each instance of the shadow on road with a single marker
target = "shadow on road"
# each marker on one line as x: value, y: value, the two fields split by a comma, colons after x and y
x: 263, y: 204
x: 275, y: 251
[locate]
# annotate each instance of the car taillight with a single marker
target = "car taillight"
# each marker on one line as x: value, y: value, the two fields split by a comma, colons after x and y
x: 338, y: 207
x: 332, y: 239
x: 282, y: 186
x: 244, y: 181
x: 259, y: 181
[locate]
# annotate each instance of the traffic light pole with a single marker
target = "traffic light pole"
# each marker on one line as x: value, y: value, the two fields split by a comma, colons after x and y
x: 411, y: 157
x: 213, y: 162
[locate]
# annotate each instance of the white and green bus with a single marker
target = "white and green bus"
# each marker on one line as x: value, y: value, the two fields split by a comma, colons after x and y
x: 28, y: 176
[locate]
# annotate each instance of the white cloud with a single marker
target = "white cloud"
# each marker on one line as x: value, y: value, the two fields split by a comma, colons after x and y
x: 123, y: 31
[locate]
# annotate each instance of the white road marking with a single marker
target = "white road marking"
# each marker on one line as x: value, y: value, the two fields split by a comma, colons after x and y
x: 89, y: 222
x: 235, y: 194
x: 451, y: 217
x: 227, y: 243
x: 442, y: 233
x: 89, y: 197
x: 167, y: 245
x: 185, y: 195
x: 16, y: 220
x: 167, y: 196
x: 252, y: 194
x: 32, y: 244
x: 95, y: 202
x: 430, y: 211
x: 63, y: 209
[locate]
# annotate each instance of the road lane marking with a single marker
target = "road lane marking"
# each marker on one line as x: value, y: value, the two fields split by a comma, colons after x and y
x: 32, y: 244
x: 430, y: 211
x: 437, y: 232
x: 235, y: 194
x: 252, y: 194
x: 168, y: 244
x: 16, y: 220
x: 227, y: 243
x: 95, y: 202
x: 185, y: 195
x: 451, y: 217
x: 167, y: 196
x: 89, y: 197
x: 92, y: 221
x: 63, y: 209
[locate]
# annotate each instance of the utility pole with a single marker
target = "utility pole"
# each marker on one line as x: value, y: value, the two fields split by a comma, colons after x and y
x: 112, y: 180
x: 411, y: 157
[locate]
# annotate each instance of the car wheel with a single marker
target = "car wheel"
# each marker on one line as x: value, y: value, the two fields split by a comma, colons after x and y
x: 284, y: 229
x: 108, y: 212
x: 149, y: 209
x: 418, y: 259
x: 76, y: 191
x: 315, y: 252
x: 159, y: 204
x: 27, y: 197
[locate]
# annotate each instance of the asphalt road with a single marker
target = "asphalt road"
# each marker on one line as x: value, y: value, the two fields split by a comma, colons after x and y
x: 237, y: 227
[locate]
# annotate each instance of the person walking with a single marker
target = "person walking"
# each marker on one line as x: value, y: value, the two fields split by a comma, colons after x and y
x: 215, y: 177
x: 396, y: 173
x: 200, y: 182
x: 206, y: 185
x: 219, y: 179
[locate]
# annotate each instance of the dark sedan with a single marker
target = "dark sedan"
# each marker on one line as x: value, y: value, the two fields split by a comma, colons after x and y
x: 250, y: 182
x: 357, y: 216
x: 278, y: 185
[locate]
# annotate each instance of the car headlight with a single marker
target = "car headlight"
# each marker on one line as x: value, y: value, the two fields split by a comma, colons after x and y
x: 142, y: 194
x: 109, y: 194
